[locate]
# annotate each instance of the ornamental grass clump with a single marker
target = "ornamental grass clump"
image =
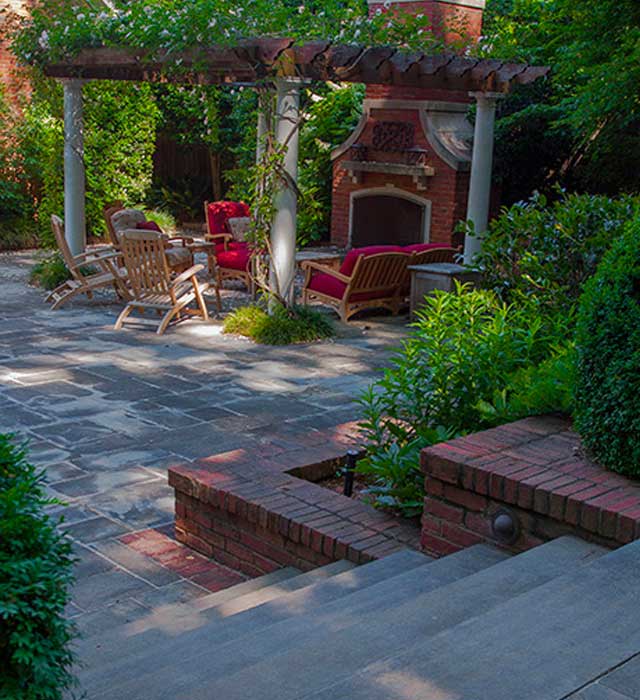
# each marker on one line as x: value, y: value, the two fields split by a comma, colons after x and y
x: 607, y: 392
x: 281, y: 326
x: 35, y: 575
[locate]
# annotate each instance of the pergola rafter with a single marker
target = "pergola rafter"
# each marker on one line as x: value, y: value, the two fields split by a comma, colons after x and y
x: 271, y: 58
x: 287, y: 64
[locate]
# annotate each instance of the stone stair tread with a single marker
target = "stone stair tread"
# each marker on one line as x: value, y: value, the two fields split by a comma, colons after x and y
x: 253, y: 585
x: 123, y: 652
x: 542, y: 645
x: 333, y: 651
x: 382, y: 593
x: 243, y: 596
x: 173, y: 613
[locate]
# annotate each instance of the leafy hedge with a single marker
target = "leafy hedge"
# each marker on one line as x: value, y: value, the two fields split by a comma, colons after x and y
x: 120, y: 130
x: 548, y: 250
x: 35, y: 574
x: 608, y: 377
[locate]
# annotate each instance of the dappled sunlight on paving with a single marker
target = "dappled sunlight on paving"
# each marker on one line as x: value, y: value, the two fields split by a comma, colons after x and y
x: 107, y: 413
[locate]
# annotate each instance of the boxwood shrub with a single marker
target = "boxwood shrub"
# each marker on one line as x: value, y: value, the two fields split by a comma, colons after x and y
x: 608, y: 375
x: 35, y: 573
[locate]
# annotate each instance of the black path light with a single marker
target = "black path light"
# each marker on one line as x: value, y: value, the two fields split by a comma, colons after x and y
x: 349, y: 472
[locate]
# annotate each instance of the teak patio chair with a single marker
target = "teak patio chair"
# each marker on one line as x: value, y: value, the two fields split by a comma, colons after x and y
x: 234, y: 258
x: 152, y: 286
x: 374, y: 283
x: 83, y: 281
x: 119, y: 219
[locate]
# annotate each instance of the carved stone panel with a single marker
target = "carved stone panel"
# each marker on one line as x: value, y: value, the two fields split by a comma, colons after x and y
x: 393, y: 136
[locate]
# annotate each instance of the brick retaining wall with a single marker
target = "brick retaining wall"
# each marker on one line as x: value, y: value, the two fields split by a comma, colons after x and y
x: 534, y: 469
x: 253, y: 510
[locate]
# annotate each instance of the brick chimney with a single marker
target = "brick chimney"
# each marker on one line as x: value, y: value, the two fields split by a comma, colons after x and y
x: 448, y: 18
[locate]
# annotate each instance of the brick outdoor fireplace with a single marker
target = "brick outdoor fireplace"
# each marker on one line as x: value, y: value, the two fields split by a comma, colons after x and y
x: 403, y: 175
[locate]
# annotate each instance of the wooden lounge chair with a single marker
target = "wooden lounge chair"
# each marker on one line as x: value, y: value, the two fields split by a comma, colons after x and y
x: 152, y: 286
x: 90, y: 271
x: 119, y: 219
x: 375, y: 282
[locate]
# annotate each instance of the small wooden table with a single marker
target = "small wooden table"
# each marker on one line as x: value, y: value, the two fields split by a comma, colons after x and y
x: 200, y: 246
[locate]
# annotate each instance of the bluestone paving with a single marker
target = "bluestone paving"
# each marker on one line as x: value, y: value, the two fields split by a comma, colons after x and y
x: 106, y: 413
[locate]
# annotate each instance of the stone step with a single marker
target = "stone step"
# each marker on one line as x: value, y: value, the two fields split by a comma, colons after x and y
x: 122, y: 654
x: 308, y: 612
x: 334, y: 650
x: 182, y: 613
x: 542, y: 645
x: 194, y: 614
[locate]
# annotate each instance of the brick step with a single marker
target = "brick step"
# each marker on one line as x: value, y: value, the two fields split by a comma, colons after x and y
x: 121, y: 654
x: 352, y: 638
x: 546, y: 644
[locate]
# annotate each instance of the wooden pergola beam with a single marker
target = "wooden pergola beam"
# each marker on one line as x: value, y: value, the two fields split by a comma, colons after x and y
x: 273, y: 58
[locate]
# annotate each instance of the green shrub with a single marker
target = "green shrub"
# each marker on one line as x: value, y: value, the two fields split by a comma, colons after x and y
x: 164, y: 219
x: 50, y: 272
x: 548, y: 250
x: 120, y: 129
x: 282, y: 327
x: 608, y: 376
x: 35, y: 574
x: 467, y: 363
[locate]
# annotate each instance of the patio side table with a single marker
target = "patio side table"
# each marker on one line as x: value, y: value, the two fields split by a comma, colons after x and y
x: 427, y: 278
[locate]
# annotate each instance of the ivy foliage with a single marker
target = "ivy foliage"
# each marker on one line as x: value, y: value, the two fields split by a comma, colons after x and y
x: 120, y: 129
x: 35, y: 575
x: 60, y: 28
x: 329, y: 113
x: 608, y: 375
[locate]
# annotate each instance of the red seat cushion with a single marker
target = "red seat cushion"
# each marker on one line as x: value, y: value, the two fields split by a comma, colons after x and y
x: 231, y: 245
x: 420, y: 247
x: 218, y: 214
x: 333, y: 287
x: 352, y: 256
x: 235, y: 258
x: 149, y: 226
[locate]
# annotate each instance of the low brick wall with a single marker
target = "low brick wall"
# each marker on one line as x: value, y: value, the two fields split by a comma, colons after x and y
x: 532, y: 468
x: 254, y: 511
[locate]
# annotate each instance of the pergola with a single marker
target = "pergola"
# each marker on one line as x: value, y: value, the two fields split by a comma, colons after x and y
x: 287, y: 65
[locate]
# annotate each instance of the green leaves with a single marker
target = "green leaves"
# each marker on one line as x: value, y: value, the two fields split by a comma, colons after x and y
x: 608, y: 340
x: 545, y: 252
x: 299, y: 324
x: 472, y: 361
x: 35, y: 575
x: 60, y: 29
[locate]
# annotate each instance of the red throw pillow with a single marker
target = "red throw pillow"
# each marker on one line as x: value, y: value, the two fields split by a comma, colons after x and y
x: 218, y: 213
x: 149, y: 226
x: 352, y: 256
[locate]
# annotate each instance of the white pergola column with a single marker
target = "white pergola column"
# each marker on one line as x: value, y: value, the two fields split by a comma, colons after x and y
x: 283, y: 231
x: 75, y: 229
x: 262, y: 127
x: 481, y: 173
